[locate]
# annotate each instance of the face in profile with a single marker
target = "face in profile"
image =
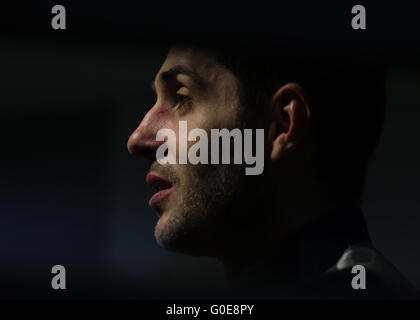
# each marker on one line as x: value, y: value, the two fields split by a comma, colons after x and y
x: 218, y: 210
x: 203, y: 207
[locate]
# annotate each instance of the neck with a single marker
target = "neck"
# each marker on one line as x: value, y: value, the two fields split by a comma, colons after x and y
x: 280, y: 233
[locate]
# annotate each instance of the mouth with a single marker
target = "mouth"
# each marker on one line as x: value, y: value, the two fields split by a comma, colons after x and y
x: 162, y: 186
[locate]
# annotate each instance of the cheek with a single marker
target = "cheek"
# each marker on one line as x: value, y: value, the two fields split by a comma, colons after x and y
x: 225, y: 115
x: 215, y: 117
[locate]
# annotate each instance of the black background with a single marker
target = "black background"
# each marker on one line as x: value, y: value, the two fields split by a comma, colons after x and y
x: 71, y: 194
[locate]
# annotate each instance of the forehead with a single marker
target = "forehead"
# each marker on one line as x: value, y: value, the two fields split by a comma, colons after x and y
x: 190, y: 57
x: 201, y: 64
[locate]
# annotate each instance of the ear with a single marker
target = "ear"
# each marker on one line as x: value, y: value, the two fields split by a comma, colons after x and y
x: 291, y: 115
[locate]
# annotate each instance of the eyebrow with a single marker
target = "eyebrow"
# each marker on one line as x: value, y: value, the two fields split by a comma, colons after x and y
x: 168, y: 75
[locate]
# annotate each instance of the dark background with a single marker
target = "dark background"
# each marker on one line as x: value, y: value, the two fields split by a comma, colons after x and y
x: 71, y: 194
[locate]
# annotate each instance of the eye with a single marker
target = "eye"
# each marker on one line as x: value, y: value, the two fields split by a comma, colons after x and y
x: 182, y: 99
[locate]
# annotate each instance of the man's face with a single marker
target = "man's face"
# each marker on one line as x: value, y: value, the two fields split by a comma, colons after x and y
x: 199, y: 205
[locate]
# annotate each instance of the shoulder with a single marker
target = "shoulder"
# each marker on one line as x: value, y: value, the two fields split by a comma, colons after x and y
x: 362, y: 272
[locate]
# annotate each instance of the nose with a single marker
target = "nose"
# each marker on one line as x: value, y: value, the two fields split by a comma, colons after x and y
x: 142, y: 142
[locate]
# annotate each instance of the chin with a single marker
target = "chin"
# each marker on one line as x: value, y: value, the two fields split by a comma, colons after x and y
x: 162, y: 234
x: 172, y: 236
x: 167, y: 232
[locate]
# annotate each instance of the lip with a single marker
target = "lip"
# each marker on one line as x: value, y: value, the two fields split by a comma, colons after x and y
x: 163, y: 186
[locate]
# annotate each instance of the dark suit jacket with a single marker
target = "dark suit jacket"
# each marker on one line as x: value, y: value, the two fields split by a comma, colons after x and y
x: 327, y: 251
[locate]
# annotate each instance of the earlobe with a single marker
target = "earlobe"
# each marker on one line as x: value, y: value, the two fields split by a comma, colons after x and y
x: 280, y: 148
x: 290, y: 119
